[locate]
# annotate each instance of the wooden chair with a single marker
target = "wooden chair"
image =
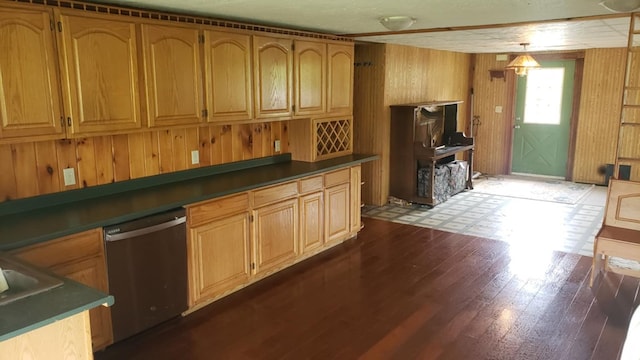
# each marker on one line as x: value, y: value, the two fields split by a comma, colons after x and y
x: 620, y: 232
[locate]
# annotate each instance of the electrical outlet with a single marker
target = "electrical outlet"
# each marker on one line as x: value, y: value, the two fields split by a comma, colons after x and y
x: 276, y: 145
x: 69, y: 176
x: 498, y: 109
x: 195, y: 157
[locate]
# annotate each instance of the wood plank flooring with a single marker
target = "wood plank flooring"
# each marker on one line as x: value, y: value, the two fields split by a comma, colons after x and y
x: 404, y: 292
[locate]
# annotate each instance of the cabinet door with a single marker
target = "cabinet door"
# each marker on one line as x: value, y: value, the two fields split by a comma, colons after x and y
x: 310, y: 60
x: 273, y: 68
x: 228, y: 76
x: 356, y: 202
x: 337, y: 212
x: 219, y: 257
x: 29, y: 88
x: 340, y: 78
x: 311, y: 222
x: 173, y: 75
x: 92, y: 272
x: 100, y: 73
x: 276, y: 235
x: 81, y: 258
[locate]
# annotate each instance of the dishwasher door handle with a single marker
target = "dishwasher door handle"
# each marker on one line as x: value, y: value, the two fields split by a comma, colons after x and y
x: 144, y: 231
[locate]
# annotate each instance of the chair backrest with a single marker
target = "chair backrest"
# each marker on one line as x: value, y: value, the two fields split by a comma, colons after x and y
x: 623, y: 204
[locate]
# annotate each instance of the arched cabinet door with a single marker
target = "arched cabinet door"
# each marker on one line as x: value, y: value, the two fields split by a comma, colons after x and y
x: 273, y: 69
x: 29, y: 88
x: 173, y: 75
x: 340, y: 78
x: 228, y: 76
x: 310, y: 61
x: 99, y: 65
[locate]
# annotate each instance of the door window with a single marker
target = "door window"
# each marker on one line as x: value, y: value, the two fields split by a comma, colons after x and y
x: 543, y: 99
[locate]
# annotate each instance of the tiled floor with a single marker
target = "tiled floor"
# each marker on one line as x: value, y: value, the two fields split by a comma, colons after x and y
x: 532, y: 225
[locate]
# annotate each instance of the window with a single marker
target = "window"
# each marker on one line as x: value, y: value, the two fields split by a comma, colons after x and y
x: 543, y: 100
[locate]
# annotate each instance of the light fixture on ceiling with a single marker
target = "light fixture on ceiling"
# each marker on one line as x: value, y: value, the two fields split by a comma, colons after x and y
x: 621, y: 5
x: 397, y: 23
x: 522, y: 63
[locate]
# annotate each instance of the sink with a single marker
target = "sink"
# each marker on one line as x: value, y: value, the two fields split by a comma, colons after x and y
x: 24, y: 280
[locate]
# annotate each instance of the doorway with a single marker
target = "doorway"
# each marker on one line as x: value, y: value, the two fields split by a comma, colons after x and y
x: 542, y: 127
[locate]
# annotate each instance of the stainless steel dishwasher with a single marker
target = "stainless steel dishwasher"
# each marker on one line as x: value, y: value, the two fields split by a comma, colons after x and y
x: 147, y: 270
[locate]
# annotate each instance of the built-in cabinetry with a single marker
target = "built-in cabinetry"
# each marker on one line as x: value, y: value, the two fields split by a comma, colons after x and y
x: 239, y: 239
x: 84, y: 73
x: 79, y: 257
x: 172, y: 75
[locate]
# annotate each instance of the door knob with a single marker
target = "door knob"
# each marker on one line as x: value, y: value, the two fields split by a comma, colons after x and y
x: 516, y: 126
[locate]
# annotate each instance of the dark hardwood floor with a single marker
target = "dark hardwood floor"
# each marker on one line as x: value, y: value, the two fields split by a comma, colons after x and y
x: 405, y: 292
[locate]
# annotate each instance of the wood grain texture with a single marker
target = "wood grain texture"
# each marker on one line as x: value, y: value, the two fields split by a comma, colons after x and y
x: 395, y: 74
x: 35, y: 168
x: 599, y: 113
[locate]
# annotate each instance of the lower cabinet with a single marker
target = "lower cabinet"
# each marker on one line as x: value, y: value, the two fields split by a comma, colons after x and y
x: 79, y: 257
x: 219, y: 256
x: 276, y: 235
x: 239, y: 239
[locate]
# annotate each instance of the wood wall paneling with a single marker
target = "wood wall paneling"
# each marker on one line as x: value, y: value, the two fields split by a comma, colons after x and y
x: 599, y: 113
x: 396, y: 74
x: 35, y: 168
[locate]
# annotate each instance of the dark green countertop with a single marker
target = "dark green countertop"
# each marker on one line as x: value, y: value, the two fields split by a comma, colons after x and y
x: 33, y: 312
x: 30, y: 227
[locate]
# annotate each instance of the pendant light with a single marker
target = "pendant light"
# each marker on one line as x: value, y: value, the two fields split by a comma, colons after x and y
x: 522, y: 63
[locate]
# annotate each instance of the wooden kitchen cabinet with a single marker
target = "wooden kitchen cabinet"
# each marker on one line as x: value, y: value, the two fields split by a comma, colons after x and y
x: 99, y: 66
x: 310, y: 63
x: 30, y: 106
x: 219, y: 257
x: 276, y: 235
x: 228, y: 76
x: 79, y: 257
x: 273, y: 76
x: 172, y: 75
x: 355, y: 196
x: 340, y: 79
x: 337, y: 205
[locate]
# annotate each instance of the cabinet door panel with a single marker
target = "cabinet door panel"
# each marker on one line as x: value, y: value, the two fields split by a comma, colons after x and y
x: 310, y: 63
x: 228, y: 76
x: 219, y: 257
x: 311, y: 222
x: 172, y: 75
x: 29, y: 88
x: 100, y: 74
x: 340, y: 74
x: 276, y: 234
x: 337, y: 212
x: 273, y: 62
x: 91, y: 272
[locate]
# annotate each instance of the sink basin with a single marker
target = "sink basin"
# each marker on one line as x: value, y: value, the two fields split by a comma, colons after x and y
x: 24, y: 280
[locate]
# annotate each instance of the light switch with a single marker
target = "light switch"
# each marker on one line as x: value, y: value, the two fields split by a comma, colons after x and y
x: 276, y: 145
x: 69, y: 176
x: 498, y: 109
x: 195, y: 157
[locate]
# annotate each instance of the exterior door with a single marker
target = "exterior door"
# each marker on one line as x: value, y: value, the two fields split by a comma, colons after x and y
x: 543, y: 115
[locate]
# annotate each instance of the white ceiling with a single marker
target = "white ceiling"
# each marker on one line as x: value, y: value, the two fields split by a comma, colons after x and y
x: 361, y: 17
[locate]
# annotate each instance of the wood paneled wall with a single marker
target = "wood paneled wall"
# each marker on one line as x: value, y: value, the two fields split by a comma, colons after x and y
x: 388, y: 74
x: 600, y: 107
x: 35, y: 168
x: 599, y: 114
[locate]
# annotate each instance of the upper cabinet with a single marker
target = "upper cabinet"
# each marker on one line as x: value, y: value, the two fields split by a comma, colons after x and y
x: 340, y: 78
x: 273, y: 70
x: 29, y: 88
x: 99, y: 66
x: 228, y: 76
x: 310, y: 60
x: 172, y: 75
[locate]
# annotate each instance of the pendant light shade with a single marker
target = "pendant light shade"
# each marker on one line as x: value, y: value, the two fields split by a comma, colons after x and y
x: 522, y: 63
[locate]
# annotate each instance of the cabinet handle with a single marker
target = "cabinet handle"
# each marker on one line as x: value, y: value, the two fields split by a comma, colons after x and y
x: 61, y: 121
x: 69, y: 121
